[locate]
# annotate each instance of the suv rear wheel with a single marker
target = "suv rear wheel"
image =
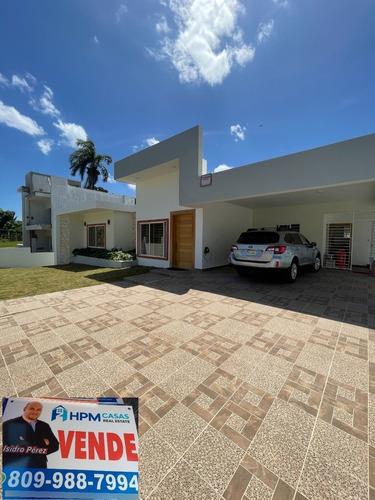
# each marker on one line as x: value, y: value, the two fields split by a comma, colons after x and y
x: 317, y: 264
x: 292, y: 272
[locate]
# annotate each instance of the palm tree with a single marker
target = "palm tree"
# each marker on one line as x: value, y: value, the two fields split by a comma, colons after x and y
x: 84, y: 160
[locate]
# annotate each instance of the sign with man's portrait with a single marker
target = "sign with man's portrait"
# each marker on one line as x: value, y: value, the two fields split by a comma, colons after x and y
x: 69, y: 448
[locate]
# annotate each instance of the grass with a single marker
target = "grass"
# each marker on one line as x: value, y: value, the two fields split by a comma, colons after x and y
x: 24, y: 282
x: 7, y: 243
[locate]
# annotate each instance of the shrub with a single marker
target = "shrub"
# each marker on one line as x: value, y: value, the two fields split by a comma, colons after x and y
x: 99, y: 253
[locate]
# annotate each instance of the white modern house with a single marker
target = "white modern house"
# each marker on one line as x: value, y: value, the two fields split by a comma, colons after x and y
x: 186, y: 218
x: 59, y: 216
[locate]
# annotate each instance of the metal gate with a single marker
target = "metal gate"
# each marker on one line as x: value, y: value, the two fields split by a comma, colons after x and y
x: 338, y: 246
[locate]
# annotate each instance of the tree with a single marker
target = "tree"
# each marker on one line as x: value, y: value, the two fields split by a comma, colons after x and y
x: 8, y: 220
x: 85, y: 160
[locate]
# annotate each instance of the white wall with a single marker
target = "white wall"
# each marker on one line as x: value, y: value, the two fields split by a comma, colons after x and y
x: 310, y: 217
x: 66, y: 196
x: 341, y: 163
x: 222, y: 224
x: 124, y: 234
x: 156, y: 198
x: 22, y: 257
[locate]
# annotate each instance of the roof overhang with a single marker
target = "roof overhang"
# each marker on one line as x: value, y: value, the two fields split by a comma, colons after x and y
x: 93, y: 205
x: 359, y: 191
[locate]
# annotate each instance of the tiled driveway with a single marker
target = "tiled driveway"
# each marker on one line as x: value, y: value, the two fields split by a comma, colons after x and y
x: 249, y: 389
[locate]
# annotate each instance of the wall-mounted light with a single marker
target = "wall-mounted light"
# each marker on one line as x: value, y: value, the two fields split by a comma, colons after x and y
x: 84, y: 223
x: 108, y: 222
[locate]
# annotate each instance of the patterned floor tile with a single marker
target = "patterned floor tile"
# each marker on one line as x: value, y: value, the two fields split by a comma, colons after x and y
x: 263, y: 340
x: 204, y: 401
x: 7, y: 322
x: 183, y: 483
x: 202, y: 319
x: 17, y: 350
x: 87, y: 347
x: 35, y: 327
x: 155, y: 404
x: 346, y: 407
x: 91, y: 325
x: 61, y: 358
x: 150, y: 322
x: 287, y: 348
x: 304, y: 389
x: 252, y: 318
x: 134, y: 385
x: 214, y: 457
x: 324, y: 338
x: 232, y: 374
x: 256, y: 482
x: 353, y: 346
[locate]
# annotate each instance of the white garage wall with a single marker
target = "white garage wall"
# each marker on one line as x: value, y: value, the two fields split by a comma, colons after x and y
x: 222, y: 224
x: 310, y: 217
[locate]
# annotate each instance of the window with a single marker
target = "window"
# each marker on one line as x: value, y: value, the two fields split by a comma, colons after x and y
x: 152, y: 239
x: 96, y: 236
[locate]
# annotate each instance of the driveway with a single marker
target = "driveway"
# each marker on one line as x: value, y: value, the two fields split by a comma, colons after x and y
x: 248, y: 388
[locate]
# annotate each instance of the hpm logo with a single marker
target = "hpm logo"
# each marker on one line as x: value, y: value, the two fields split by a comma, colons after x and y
x: 63, y: 414
x: 60, y: 412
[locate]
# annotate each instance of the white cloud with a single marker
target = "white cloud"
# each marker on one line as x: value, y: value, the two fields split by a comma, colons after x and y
x: 209, y: 42
x: 111, y: 179
x: 14, y: 119
x: 222, y: 167
x: 70, y: 132
x: 238, y: 132
x: 96, y: 40
x: 281, y: 3
x: 32, y: 78
x: 121, y: 11
x: 4, y: 80
x: 151, y: 141
x: 21, y: 84
x: 132, y: 187
x: 162, y: 26
x: 45, y: 145
x: 45, y: 105
x: 264, y: 31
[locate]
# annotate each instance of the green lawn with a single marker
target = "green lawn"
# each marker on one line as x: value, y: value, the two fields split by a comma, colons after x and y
x: 23, y: 282
x: 7, y: 243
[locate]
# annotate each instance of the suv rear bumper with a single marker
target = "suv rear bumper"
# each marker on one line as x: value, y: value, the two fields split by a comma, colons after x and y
x: 275, y: 263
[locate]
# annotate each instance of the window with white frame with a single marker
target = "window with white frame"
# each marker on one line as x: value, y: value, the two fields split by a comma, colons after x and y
x: 152, y: 239
x: 96, y: 236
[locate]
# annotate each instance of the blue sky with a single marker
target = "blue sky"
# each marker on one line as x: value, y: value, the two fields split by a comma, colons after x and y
x: 264, y: 78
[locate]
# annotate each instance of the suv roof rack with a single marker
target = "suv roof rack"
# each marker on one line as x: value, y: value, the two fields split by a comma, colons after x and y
x: 287, y: 227
x: 270, y: 228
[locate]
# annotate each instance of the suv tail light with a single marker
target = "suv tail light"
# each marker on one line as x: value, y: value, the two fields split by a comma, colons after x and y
x: 277, y: 250
x: 233, y: 247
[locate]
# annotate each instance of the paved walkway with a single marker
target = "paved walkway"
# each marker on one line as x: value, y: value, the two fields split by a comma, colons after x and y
x: 249, y: 389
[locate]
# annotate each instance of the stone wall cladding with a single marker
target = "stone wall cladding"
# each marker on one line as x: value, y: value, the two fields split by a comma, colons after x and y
x: 134, y: 228
x: 64, y: 239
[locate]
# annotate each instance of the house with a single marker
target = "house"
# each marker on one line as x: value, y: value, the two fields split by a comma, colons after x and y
x: 187, y: 218
x: 59, y: 216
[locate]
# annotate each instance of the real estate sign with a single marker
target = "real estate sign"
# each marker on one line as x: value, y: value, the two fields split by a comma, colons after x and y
x: 69, y: 449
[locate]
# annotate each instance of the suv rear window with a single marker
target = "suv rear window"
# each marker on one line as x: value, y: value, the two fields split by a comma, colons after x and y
x: 258, y: 238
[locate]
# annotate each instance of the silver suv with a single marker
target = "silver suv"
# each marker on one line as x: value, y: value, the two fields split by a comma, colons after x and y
x: 269, y: 248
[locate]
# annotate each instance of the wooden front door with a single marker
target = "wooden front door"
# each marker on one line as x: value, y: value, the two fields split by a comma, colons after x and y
x: 183, y: 239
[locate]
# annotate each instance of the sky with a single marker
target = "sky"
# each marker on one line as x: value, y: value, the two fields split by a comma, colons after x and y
x: 264, y: 78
